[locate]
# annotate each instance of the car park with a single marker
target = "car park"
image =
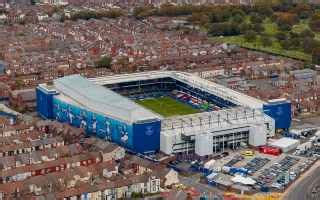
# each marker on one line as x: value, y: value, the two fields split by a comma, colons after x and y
x: 234, y: 160
x: 256, y: 164
x: 275, y: 174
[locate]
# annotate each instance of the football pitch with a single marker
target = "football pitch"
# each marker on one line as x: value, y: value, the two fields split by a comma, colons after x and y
x: 167, y: 106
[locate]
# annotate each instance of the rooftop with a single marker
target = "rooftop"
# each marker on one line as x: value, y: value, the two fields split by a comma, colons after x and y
x: 101, y: 100
x: 211, y: 87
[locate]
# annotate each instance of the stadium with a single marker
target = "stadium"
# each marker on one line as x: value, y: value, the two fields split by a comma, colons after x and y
x: 168, y: 111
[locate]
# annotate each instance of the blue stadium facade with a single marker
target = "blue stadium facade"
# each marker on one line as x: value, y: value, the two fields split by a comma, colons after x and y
x: 106, y: 111
x: 140, y: 135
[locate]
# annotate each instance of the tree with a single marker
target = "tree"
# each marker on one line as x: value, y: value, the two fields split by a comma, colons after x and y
x: 244, y: 27
x: 308, y: 66
x: 315, y: 22
x: 303, y: 10
x: 307, y: 33
x: 283, y: 5
x: 123, y: 64
x: 294, y: 43
x: 238, y: 18
x: 250, y: 36
x: 293, y: 34
x: 258, y: 28
x: 143, y: 11
x: 113, y: 13
x: 199, y: 18
x: 316, y: 56
x: 266, y: 41
x: 308, y: 44
x: 225, y: 29
x: 172, y: 10
x: 285, y: 44
x: 19, y: 83
x: 264, y: 9
x: 136, y: 195
x: 104, y: 62
x: 285, y: 27
x: 85, y: 15
x: 285, y: 18
x: 281, y: 35
x: 256, y: 18
x: 89, y: 14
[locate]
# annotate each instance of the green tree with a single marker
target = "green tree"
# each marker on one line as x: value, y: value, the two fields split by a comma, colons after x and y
x: 294, y: 43
x: 258, y: 28
x: 85, y: 15
x: 281, y: 35
x: 250, y: 36
x: 199, y: 18
x: 244, y: 27
x: 285, y: 44
x: 113, y: 13
x: 104, y: 62
x: 315, y: 22
x: 303, y: 10
x: 19, y: 83
x: 256, y: 18
x: 316, y: 56
x: 284, y: 27
x: 266, y: 41
x: 307, y: 33
x: 286, y: 20
x: 308, y: 44
x: 143, y: 11
x: 225, y: 29
x: 266, y: 10
x: 238, y: 18
x: 136, y: 195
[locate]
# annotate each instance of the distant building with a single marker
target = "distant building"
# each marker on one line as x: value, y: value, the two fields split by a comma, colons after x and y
x: 23, y: 100
x: 2, y: 67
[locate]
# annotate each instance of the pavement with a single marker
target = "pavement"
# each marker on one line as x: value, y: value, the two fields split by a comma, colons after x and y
x: 194, y: 181
x: 305, y: 187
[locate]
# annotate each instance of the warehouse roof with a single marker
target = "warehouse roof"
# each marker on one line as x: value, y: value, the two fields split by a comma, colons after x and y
x: 101, y: 100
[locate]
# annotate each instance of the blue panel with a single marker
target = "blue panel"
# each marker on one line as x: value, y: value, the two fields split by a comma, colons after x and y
x: 146, y: 137
x: 280, y: 112
x: 95, y: 124
x: 44, y: 103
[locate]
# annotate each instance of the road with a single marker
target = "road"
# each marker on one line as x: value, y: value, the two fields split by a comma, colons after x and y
x: 212, y: 192
x: 305, y: 189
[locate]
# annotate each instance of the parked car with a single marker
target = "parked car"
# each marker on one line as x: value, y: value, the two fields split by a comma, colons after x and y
x: 247, y: 153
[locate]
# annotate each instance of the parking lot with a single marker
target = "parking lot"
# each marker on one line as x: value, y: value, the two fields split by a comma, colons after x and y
x: 270, y: 172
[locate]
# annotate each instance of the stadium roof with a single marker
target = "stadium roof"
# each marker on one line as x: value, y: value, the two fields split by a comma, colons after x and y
x: 213, y: 121
x: 211, y: 87
x: 101, y: 100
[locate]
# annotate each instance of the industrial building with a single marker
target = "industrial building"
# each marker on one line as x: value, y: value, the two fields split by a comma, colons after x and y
x: 105, y: 107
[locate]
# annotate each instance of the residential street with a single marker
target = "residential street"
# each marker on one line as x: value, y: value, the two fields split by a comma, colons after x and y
x: 212, y: 192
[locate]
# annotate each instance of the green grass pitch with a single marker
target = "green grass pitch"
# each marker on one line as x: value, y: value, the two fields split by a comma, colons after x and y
x: 167, y: 106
